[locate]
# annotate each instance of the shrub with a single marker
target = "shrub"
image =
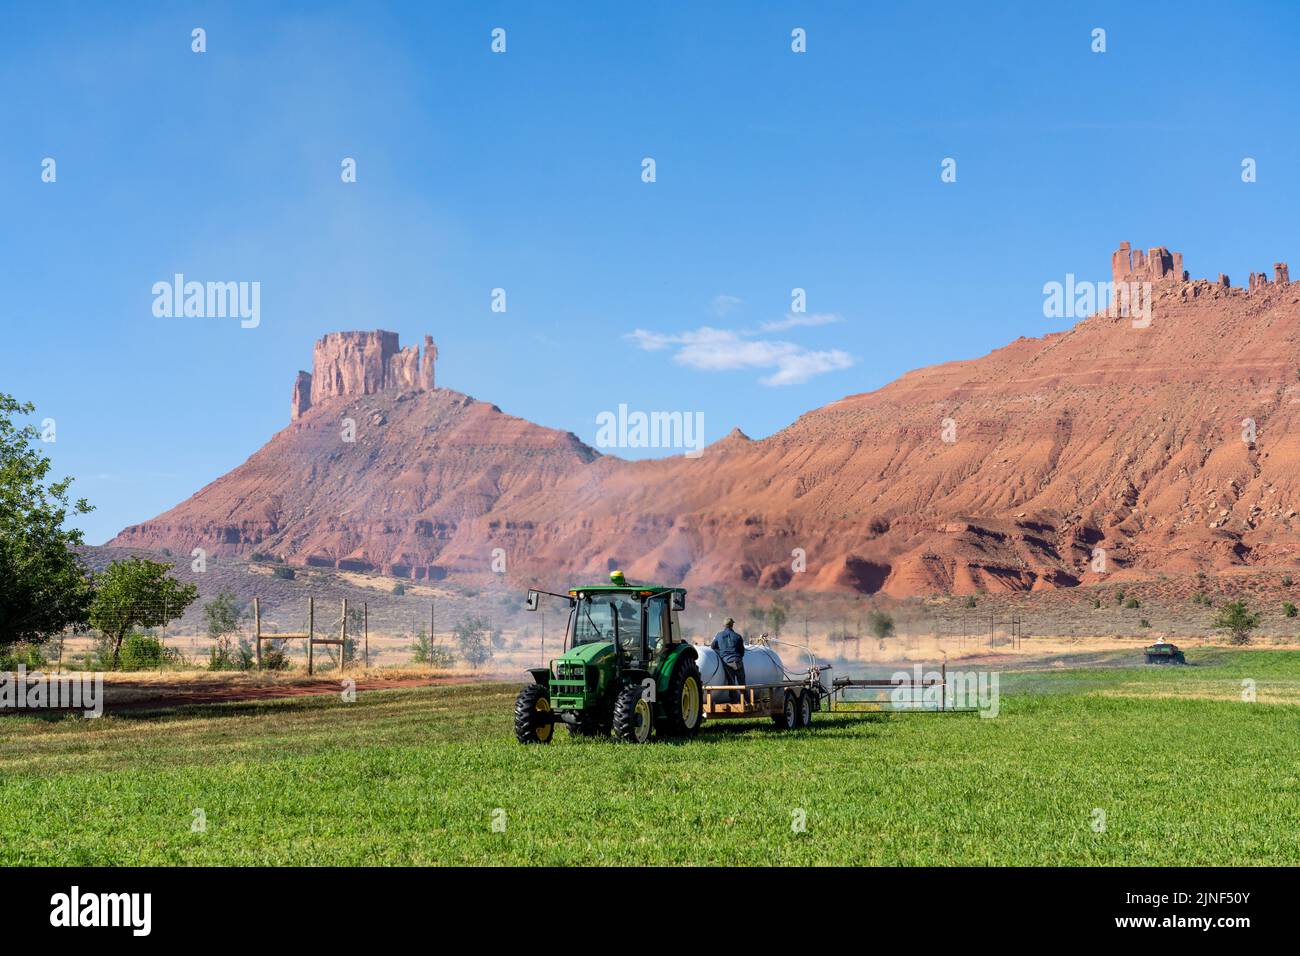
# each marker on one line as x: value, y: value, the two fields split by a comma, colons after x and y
x: 1288, y: 609
x: 1096, y: 603
x: 274, y: 658
x: 399, y: 588
x: 880, y: 624
x: 970, y: 601
x: 22, y: 654
x: 141, y: 652
x: 284, y: 573
x: 1238, y: 620
x: 1119, y: 597
x: 1132, y: 603
x: 1144, y: 623
x: 1286, y: 581
x: 425, y: 651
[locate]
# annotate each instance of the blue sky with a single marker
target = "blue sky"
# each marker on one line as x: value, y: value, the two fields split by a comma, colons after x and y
x: 522, y: 171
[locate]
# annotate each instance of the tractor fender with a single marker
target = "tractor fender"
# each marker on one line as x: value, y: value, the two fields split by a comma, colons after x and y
x: 684, y: 652
x: 541, y: 675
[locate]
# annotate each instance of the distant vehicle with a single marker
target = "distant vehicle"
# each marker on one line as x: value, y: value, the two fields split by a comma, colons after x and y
x: 1162, y: 652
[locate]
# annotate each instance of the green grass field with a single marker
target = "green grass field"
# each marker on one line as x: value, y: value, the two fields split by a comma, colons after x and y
x: 1185, y: 772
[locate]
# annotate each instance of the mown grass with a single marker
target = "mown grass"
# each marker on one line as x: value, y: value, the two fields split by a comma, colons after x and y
x: 1185, y: 772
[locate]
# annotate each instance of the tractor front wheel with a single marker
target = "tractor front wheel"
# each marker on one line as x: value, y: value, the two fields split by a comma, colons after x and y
x: 684, y: 702
x: 633, y: 715
x: 533, y: 721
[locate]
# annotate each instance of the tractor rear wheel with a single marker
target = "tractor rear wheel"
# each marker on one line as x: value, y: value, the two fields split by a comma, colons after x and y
x: 533, y: 723
x: 633, y: 715
x: 684, y: 702
x: 786, y: 720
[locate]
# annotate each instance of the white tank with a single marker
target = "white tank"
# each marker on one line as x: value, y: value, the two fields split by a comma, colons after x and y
x: 762, y: 666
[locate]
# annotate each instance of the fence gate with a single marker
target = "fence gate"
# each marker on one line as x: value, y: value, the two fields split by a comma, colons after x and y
x: 310, y: 636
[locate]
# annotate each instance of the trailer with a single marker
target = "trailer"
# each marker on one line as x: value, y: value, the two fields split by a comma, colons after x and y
x: 789, y: 703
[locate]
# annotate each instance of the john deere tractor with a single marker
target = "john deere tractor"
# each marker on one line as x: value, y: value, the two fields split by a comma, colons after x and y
x: 626, y: 668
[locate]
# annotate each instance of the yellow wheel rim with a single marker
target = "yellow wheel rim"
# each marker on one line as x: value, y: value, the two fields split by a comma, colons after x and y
x: 545, y: 730
x: 690, y: 702
x: 642, y: 730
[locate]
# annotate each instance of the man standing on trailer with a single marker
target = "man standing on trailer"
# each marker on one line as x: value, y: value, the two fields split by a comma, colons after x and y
x: 731, y: 651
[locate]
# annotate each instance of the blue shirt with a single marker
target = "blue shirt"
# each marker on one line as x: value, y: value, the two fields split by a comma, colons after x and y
x: 729, y: 645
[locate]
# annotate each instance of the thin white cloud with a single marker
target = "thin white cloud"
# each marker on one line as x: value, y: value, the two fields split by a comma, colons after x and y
x: 722, y: 350
x: 722, y: 304
x: 800, y: 319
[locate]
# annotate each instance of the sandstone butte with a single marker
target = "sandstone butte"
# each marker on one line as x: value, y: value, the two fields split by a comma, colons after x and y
x: 1106, y: 436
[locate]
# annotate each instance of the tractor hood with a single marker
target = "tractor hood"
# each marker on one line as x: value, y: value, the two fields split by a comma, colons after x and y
x: 592, y: 653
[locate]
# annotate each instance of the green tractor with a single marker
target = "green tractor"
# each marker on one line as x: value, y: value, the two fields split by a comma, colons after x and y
x: 1162, y: 652
x: 626, y: 668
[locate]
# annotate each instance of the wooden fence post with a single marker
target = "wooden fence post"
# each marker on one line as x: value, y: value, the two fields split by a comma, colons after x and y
x: 343, y: 648
x: 311, y: 632
x: 365, y: 625
x: 257, y: 629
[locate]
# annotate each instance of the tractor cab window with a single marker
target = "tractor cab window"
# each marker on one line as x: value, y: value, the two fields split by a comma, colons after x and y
x: 654, y: 623
x: 594, y: 621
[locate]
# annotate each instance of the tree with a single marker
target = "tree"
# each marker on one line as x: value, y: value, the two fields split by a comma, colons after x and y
x: 776, y: 619
x: 1235, y: 618
x: 475, y: 644
x: 44, y: 588
x: 221, y: 617
x: 880, y: 624
x: 137, y: 593
x: 425, y: 651
x: 356, y: 631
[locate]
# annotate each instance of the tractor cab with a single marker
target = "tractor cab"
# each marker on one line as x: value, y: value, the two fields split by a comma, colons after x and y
x: 626, y: 666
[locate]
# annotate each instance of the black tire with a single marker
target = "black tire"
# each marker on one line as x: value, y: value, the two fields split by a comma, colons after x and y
x: 786, y: 720
x: 531, y: 727
x: 633, y: 716
x: 803, y: 709
x: 684, y: 702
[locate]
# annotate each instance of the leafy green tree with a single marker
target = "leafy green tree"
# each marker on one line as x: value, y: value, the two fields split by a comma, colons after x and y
x: 474, y: 640
x: 880, y: 624
x: 221, y: 617
x: 44, y: 588
x: 137, y: 593
x: 1238, y: 620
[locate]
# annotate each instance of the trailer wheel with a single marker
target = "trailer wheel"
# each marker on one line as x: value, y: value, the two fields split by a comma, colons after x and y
x: 633, y: 716
x: 804, y: 716
x: 533, y: 724
x: 789, y: 716
x: 684, y: 702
